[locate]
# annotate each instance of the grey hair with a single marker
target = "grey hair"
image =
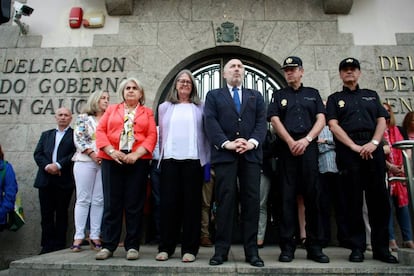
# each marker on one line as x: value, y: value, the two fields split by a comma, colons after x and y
x: 122, y: 85
x: 172, y: 96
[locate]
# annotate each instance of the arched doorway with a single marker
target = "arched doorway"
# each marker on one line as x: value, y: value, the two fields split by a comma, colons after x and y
x: 261, y: 72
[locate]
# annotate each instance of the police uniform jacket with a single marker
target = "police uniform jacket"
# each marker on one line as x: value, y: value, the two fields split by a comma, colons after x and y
x: 297, y: 109
x: 357, y: 112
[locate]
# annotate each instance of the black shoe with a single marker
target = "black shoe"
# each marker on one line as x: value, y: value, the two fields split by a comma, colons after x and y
x: 386, y: 258
x: 356, y: 256
x: 255, y: 261
x: 286, y: 257
x: 318, y: 257
x: 217, y: 260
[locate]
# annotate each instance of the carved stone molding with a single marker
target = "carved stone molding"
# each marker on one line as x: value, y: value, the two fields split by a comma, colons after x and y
x: 119, y: 7
x: 337, y: 6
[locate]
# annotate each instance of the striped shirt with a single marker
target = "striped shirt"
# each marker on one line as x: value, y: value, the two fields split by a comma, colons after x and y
x: 327, y: 153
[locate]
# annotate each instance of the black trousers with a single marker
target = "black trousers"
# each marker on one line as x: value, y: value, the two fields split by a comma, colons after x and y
x: 54, y: 207
x: 357, y: 175
x: 300, y: 174
x: 180, y: 199
x: 329, y: 202
x: 124, y: 188
x: 226, y: 191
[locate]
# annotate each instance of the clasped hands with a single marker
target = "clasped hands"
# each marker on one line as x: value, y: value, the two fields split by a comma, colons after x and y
x: 240, y: 145
x: 124, y: 158
x: 298, y: 147
x: 365, y: 151
x: 53, y: 169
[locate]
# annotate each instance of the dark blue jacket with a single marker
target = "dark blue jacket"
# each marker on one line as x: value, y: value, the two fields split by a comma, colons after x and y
x: 8, y: 190
x: 223, y: 122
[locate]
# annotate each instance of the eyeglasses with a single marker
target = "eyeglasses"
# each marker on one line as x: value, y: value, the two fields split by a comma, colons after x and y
x: 131, y: 88
x: 185, y: 82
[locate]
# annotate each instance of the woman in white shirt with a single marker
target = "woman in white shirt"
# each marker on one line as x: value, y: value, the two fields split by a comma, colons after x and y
x: 184, y: 150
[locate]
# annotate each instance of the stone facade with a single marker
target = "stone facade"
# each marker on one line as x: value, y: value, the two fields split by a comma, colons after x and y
x: 153, y: 43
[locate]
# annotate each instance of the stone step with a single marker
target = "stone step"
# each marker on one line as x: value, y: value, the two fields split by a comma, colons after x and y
x: 65, y: 262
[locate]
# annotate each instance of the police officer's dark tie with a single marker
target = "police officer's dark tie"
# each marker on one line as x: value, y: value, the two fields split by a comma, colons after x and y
x: 236, y: 98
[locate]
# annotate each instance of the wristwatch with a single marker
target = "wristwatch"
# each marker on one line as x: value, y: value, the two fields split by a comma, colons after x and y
x: 111, y: 151
x: 309, y: 138
x: 375, y: 142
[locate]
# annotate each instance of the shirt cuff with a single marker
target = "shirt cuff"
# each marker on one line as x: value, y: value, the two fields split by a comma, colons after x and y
x: 254, y: 142
x: 225, y: 142
x: 58, y: 165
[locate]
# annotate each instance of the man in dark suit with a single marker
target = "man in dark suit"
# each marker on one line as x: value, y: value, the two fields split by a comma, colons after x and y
x: 55, y: 180
x: 235, y: 124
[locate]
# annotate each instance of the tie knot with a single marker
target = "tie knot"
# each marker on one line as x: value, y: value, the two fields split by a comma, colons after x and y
x: 235, y: 89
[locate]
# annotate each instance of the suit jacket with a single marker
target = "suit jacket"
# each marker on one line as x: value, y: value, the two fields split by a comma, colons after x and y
x: 43, y: 156
x: 223, y: 122
x: 111, y: 125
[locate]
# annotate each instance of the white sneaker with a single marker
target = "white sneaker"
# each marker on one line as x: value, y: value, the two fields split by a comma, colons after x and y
x: 188, y: 258
x: 103, y: 254
x: 132, y: 254
x: 162, y: 256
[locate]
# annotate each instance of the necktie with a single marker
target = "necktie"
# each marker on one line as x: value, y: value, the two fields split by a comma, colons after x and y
x: 236, y: 98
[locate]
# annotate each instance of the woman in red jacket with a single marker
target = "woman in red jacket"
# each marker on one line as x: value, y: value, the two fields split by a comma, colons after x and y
x: 126, y: 136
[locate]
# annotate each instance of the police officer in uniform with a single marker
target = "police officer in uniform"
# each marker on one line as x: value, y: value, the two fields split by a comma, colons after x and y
x: 356, y: 117
x: 297, y: 115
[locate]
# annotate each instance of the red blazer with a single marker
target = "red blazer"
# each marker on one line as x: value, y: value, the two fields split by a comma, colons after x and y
x: 111, y: 125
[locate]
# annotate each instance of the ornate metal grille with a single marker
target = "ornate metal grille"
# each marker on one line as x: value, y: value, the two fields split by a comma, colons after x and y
x: 210, y: 77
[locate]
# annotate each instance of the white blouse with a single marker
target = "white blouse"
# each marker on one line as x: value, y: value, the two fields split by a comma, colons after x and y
x: 181, y: 141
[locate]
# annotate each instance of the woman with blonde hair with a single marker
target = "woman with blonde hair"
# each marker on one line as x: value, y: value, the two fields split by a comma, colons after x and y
x: 87, y: 172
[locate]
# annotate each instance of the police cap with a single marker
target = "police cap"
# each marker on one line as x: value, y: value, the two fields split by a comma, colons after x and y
x: 292, y: 61
x: 349, y: 62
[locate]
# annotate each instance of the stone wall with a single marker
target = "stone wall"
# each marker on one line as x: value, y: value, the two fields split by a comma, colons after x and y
x: 155, y: 42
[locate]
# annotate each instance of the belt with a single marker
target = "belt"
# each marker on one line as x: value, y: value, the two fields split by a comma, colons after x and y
x: 361, y: 135
x: 297, y: 136
x: 126, y: 151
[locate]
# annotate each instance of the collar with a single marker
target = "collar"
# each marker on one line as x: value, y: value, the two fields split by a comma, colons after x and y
x: 295, y: 90
x: 347, y: 89
x: 58, y: 130
x: 231, y: 87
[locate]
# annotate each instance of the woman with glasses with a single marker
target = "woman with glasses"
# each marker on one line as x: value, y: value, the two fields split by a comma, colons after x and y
x: 398, y: 190
x: 183, y: 153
